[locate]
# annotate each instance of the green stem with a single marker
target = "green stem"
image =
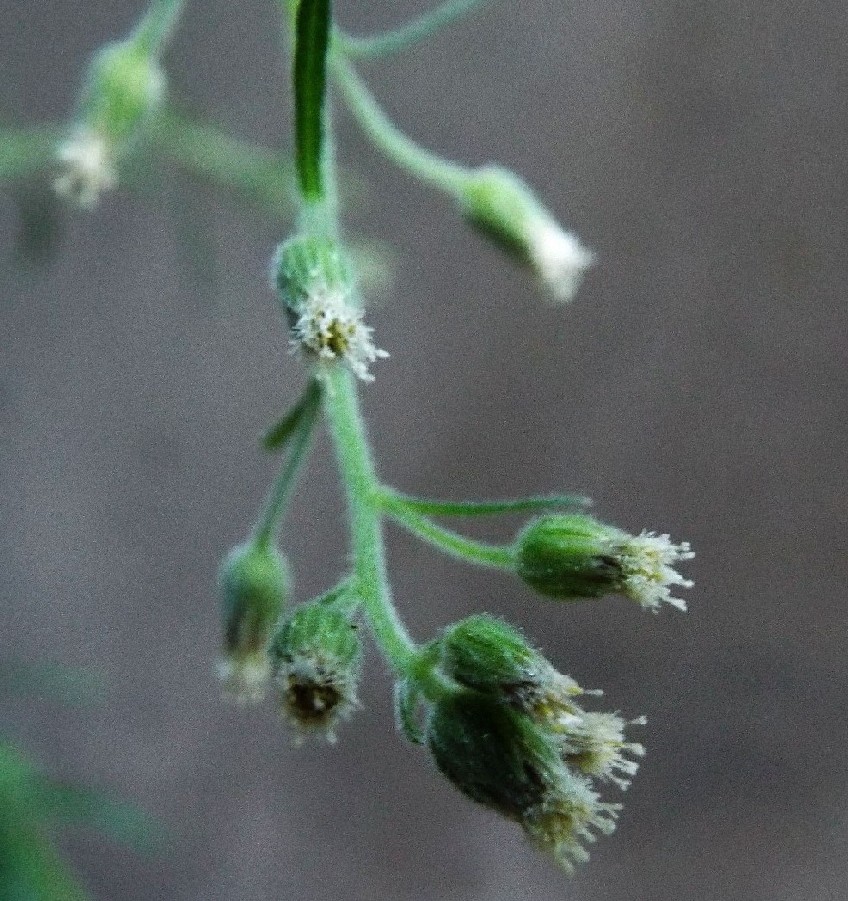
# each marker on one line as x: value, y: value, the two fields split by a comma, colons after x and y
x: 312, y: 41
x: 407, y: 35
x: 281, y: 492
x: 259, y: 174
x: 402, y: 150
x: 497, y: 556
x: 156, y: 27
x: 532, y: 504
x: 357, y: 471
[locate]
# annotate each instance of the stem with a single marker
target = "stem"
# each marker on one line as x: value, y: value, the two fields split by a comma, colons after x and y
x: 407, y: 35
x: 534, y: 503
x: 368, y: 549
x: 157, y: 25
x: 312, y: 37
x: 402, y: 150
x: 497, y: 556
x: 281, y: 492
x: 256, y: 172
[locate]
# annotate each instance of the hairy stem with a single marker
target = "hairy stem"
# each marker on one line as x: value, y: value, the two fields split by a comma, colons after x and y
x: 357, y: 472
x: 497, y: 556
x: 407, y: 35
x: 402, y: 150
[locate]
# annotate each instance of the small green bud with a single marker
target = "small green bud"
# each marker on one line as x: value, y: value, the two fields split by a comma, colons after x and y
x: 315, y: 285
x: 316, y: 657
x: 125, y: 88
x: 575, y: 556
x: 492, y: 657
x: 502, y: 759
x: 506, y: 210
x: 254, y: 583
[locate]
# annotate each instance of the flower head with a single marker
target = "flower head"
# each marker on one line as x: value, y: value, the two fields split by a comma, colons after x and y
x: 332, y: 328
x: 316, y: 657
x: 595, y: 745
x: 504, y: 208
x: 575, y: 556
x: 253, y: 583
x: 558, y: 257
x: 87, y: 167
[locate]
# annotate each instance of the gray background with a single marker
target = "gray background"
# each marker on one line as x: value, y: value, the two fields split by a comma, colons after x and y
x: 697, y: 385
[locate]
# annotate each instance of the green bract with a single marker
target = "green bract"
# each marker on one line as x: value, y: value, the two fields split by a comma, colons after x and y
x: 126, y: 88
x: 568, y: 557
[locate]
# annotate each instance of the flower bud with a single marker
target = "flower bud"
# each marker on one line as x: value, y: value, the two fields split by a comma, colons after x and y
x: 125, y: 88
x: 575, y: 556
x: 502, y: 759
x: 315, y: 285
x: 316, y: 656
x: 490, y: 656
x: 505, y: 209
x: 253, y: 582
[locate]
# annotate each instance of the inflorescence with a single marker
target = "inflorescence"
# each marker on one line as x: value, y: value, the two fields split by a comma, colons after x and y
x: 500, y: 721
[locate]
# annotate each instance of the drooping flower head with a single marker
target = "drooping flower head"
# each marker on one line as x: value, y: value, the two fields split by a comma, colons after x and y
x: 575, y: 556
x: 504, y: 208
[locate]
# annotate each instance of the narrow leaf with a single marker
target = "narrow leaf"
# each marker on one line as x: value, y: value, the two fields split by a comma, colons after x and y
x: 279, y: 434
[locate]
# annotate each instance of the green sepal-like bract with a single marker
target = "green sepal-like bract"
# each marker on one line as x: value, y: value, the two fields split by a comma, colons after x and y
x: 125, y: 88
x: 306, y: 266
x: 568, y: 557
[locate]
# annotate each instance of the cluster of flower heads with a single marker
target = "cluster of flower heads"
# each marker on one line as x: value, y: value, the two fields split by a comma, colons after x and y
x: 513, y: 736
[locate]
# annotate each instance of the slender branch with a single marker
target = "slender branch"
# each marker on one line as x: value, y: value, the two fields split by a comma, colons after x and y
x: 402, y: 150
x: 256, y: 172
x: 532, y: 504
x: 155, y: 29
x: 369, y: 556
x: 392, y: 42
x: 497, y: 556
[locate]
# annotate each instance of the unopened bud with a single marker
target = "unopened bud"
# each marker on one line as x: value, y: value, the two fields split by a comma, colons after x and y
x: 253, y: 583
x: 492, y: 657
x: 316, y: 656
x: 505, y: 209
x: 575, y: 556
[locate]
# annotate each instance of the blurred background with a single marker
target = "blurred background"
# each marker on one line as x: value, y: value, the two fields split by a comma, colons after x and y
x: 697, y: 385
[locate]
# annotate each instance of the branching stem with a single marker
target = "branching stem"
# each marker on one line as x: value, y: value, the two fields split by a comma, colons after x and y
x: 392, y: 42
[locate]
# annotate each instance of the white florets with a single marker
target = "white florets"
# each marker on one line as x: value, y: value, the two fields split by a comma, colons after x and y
x: 597, y: 747
x: 87, y: 168
x: 647, y: 563
x: 244, y: 677
x: 332, y: 328
x: 558, y: 257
